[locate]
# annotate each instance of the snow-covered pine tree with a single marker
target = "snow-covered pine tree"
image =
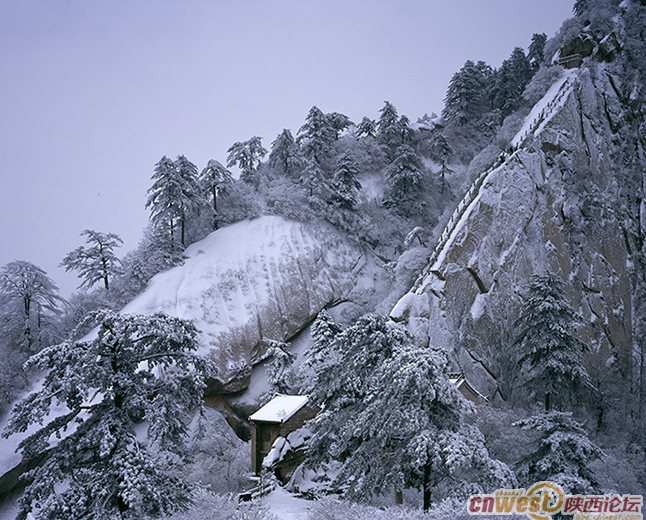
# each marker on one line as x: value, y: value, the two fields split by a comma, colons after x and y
x: 317, y: 136
x: 546, y: 345
x: 406, y: 132
x: 247, y: 155
x: 192, y: 199
x: 162, y: 195
x: 280, y: 370
x: 318, y: 187
x: 137, y: 368
x: 339, y: 122
x: 562, y: 454
x: 367, y: 128
x: 389, y: 130
x: 29, y: 306
x: 174, y: 195
x: 441, y: 151
x: 213, y: 181
x: 345, y: 181
x: 393, y: 419
x: 321, y: 351
x: 404, y: 176
x: 95, y: 262
x: 30, y: 309
x: 467, y: 94
x: 511, y: 79
x: 419, y: 418
x: 285, y: 156
x: 344, y: 381
x: 535, y: 53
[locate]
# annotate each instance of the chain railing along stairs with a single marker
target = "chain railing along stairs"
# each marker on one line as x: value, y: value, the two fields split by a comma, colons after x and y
x: 477, y: 184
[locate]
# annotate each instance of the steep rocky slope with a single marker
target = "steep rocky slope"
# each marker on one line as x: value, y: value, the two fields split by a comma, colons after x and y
x: 257, y: 280
x: 551, y: 204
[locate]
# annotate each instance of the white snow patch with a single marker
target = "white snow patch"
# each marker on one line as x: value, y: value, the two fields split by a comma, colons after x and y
x: 503, y: 256
x: 277, y: 452
x: 286, y: 506
x: 298, y: 438
x: 411, y: 304
x: 477, y: 309
x: 295, y: 441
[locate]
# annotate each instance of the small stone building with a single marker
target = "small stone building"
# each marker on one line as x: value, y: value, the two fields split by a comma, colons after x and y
x: 465, y: 388
x: 279, y: 417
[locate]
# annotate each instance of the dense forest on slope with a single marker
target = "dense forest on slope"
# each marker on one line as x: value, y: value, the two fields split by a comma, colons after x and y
x: 540, y: 161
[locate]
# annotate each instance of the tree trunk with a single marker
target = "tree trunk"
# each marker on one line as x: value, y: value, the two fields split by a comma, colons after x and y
x: 399, y: 496
x: 215, y: 208
x: 105, y: 274
x: 442, y: 172
x: 427, y: 487
x: 27, y: 304
x: 172, y: 234
x: 548, y: 402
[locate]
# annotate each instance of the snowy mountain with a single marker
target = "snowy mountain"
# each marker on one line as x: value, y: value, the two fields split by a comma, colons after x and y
x: 554, y: 193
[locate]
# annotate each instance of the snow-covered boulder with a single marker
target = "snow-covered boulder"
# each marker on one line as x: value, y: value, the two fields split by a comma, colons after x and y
x: 283, y: 447
x: 255, y: 280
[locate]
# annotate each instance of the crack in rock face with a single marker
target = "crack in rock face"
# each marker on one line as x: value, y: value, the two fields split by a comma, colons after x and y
x: 536, y: 212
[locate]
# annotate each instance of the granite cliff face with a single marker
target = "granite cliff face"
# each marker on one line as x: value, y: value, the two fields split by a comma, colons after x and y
x: 553, y: 203
x: 257, y: 280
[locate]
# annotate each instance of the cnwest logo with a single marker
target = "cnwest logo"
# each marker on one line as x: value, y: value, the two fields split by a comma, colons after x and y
x: 545, y: 499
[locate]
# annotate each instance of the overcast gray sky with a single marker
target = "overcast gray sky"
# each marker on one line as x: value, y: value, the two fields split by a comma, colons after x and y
x: 93, y: 93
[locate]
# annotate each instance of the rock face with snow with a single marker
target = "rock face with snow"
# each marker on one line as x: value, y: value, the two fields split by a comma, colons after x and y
x: 253, y: 281
x: 551, y: 204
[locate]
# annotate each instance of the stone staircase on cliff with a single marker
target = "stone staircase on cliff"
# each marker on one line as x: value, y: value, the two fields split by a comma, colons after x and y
x: 541, y: 113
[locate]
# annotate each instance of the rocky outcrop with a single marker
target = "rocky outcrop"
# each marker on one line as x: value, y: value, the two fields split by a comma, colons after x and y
x: 256, y: 280
x: 586, y: 44
x: 551, y: 205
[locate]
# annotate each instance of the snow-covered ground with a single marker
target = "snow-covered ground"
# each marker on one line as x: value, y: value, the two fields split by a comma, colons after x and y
x: 286, y: 506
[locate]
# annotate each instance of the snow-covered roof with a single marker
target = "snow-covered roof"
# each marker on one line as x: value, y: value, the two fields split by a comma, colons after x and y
x: 456, y: 377
x: 460, y: 381
x: 280, y: 408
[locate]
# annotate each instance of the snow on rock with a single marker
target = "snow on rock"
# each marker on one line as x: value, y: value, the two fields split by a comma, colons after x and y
x: 298, y: 438
x: 550, y: 104
x: 258, y: 279
x: 294, y: 442
x: 520, y: 223
x: 276, y: 453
